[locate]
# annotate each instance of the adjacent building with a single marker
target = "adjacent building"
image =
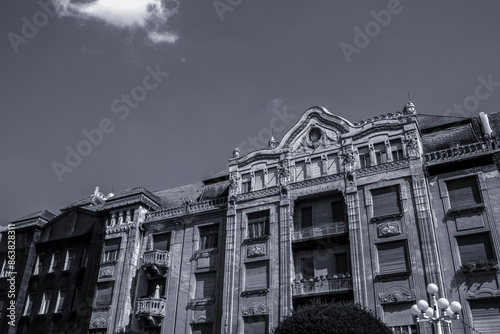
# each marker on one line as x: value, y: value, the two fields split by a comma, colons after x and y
x: 369, y: 212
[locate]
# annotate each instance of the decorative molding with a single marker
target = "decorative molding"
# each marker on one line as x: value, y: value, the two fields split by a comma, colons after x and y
x: 379, y: 219
x: 396, y: 295
x: 254, y: 309
x: 124, y: 227
x: 271, y: 191
x: 316, y: 181
x: 388, y: 229
x: 99, y: 322
x: 107, y: 271
x: 256, y: 250
x: 255, y: 292
x: 384, y: 167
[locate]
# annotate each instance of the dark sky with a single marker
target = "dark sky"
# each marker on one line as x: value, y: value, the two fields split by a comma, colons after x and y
x: 231, y: 72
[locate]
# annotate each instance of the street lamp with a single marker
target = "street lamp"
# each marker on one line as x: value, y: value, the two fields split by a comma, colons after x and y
x: 423, y: 312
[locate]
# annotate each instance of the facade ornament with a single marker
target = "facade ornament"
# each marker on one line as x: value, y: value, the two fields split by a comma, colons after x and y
x: 409, y: 108
x: 396, y: 296
x: 256, y: 250
x: 273, y: 143
x: 107, y: 271
x: 284, y: 172
x: 254, y: 309
x: 388, y: 230
x: 99, y: 323
x: 236, y: 153
x: 412, y: 146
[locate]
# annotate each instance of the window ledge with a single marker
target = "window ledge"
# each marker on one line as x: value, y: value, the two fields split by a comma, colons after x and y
x: 379, y: 219
x: 109, y: 262
x: 478, y: 267
x: 255, y: 292
x: 466, y: 209
x: 256, y: 239
x: 394, y: 274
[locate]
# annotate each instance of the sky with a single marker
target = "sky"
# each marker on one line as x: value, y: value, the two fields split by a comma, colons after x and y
x: 127, y: 93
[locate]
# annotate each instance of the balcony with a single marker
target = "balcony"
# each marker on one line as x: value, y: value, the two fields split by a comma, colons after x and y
x: 156, y: 263
x: 337, y: 228
x: 324, y: 285
x: 151, y: 309
x: 457, y: 153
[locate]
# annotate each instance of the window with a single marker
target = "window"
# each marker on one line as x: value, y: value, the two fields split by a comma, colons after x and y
x: 300, y: 171
x: 60, y: 301
x: 255, y: 325
x: 28, y: 308
x: 76, y: 298
x: 154, y: 284
x: 332, y: 164
x: 396, y: 150
x: 386, y: 201
x: 245, y: 183
x: 315, y: 167
x: 364, y: 157
x: 54, y: 262
x: 85, y: 257
x: 256, y: 275
x: 4, y: 271
x: 338, y: 212
x: 475, y: 248
x: 272, y: 177
x: 70, y: 257
x: 202, y: 328
x: 341, y: 263
x: 44, y: 307
x: 104, y: 294
x: 208, y: 237
x: 306, y: 217
x: 392, y: 257
x: 464, y: 193
x: 39, y: 264
x: 205, y: 285
x: 380, y: 154
x: 307, y: 267
x: 111, y: 250
x: 259, y: 180
x: 161, y: 241
x: 485, y: 315
x: 258, y: 224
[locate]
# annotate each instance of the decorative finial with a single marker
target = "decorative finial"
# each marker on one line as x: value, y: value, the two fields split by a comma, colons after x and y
x: 236, y: 153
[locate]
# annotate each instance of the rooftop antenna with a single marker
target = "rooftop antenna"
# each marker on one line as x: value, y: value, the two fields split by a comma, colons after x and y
x: 409, y: 99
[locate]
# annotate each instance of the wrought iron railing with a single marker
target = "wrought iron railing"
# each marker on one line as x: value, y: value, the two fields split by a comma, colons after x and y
x: 313, y: 286
x: 187, y: 208
x: 320, y: 231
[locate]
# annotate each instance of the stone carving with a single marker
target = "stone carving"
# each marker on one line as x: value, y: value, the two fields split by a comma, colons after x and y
x: 107, y: 271
x: 256, y: 250
x: 349, y: 157
x: 99, y: 323
x: 388, y: 230
x: 396, y: 296
x: 273, y: 143
x: 254, y: 309
x: 236, y: 153
x: 412, y: 147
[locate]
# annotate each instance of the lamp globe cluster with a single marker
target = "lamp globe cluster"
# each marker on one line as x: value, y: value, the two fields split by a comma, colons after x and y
x: 424, y: 312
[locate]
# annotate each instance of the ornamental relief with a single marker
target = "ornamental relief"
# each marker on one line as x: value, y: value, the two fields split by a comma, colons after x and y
x: 99, y: 323
x: 315, y: 138
x: 254, y: 309
x: 256, y: 250
x: 107, y: 271
x: 388, y: 230
x: 396, y: 296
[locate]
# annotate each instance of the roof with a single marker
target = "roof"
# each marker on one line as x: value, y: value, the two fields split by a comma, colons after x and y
x: 431, y: 121
x: 177, y: 196
x: 132, y: 192
x: 43, y: 214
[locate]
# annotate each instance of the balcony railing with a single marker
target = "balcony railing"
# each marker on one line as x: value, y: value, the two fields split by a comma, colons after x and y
x: 157, y: 257
x: 187, y: 208
x: 457, y: 152
x: 151, y: 307
x: 325, y: 285
x: 319, y: 231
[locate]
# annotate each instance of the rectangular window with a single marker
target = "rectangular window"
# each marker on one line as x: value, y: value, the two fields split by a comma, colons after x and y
x: 257, y: 275
x: 464, y: 193
x: 54, y: 262
x: 332, y: 164
x: 341, y: 263
x: 202, y: 328
x: 255, y: 325
x: 70, y: 257
x: 380, y: 153
x: 28, y: 307
x: 60, y: 301
x: 475, y: 248
x: 44, y: 307
x: 307, y: 267
x: 386, y: 201
x: 205, y: 285
x: 306, y: 217
x: 485, y: 315
x: 300, y: 171
x: 364, y: 157
x: 259, y: 180
x: 85, y: 257
x: 4, y: 271
x: 156, y: 285
x: 209, y: 236
x: 245, y: 183
x: 161, y: 241
x: 258, y: 224
x: 272, y: 177
x: 315, y: 167
x: 338, y: 212
x: 104, y: 294
x: 39, y: 264
x: 396, y: 150
x: 111, y: 250
x: 392, y: 257
x: 76, y: 298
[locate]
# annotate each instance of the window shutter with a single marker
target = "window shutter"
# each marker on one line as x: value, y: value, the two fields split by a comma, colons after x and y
x: 315, y: 167
x: 255, y: 325
x: 463, y: 192
x: 161, y: 241
x: 306, y: 217
x: 341, y: 263
x: 385, y: 201
x: 475, y: 248
x: 332, y: 164
x: 300, y: 171
x: 205, y: 285
x: 486, y: 315
x: 256, y: 275
x: 259, y: 180
x: 338, y: 212
x: 104, y: 293
x: 113, y: 244
x: 272, y: 174
x: 392, y: 257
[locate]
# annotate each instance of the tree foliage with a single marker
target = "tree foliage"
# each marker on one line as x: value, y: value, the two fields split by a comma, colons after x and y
x: 332, y: 318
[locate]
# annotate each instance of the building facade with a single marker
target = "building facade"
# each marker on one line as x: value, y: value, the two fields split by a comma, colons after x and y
x: 369, y: 212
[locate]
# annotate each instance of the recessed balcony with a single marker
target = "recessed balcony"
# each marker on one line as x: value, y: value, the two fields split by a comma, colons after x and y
x: 156, y: 263
x: 323, y: 285
x: 151, y: 309
x: 316, y: 232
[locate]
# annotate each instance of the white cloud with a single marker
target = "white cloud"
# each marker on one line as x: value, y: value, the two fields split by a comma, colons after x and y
x: 150, y: 15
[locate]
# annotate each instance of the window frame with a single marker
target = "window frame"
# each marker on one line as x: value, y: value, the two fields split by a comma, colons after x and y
x: 264, y: 219
x: 45, y: 304
x: 68, y: 259
x: 208, y: 244
x: 60, y: 301
x: 381, y: 270
x: 54, y: 261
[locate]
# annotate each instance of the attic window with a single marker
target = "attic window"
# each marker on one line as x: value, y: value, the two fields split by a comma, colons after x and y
x: 315, y: 135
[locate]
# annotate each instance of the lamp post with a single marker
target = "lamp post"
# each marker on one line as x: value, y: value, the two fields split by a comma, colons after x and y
x: 441, y: 312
